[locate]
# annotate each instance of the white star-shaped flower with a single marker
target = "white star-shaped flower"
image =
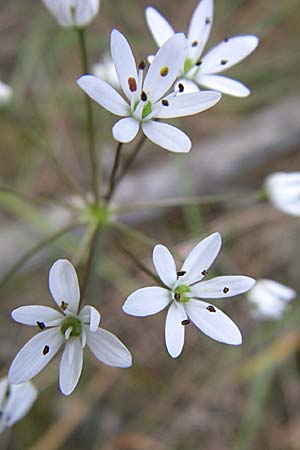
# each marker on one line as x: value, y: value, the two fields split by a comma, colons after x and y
x: 204, y: 71
x: 283, y: 189
x: 73, y: 13
x: 147, y: 99
x: 15, y: 401
x: 183, y: 292
x: 270, y: 299
x: 68, y: 327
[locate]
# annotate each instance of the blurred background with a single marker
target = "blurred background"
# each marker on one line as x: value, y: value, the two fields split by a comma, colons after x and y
x: 213, y: 397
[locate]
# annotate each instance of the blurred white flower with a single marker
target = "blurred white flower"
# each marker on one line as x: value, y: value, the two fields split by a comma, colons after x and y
x: 199, y: 70
x: 283, y: 189
x: 5, y: 94
x: 65, y: 326
x: 15, y: 401
x: 270, y: 299
x: 73, y: 13
x: 147, y: 100
x: 106, y: 70
x: 183, y: 292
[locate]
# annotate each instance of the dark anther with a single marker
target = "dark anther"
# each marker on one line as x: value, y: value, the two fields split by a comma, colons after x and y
x: 142, y: 65
x: 210, y: 308
x: 177, y: 297
x: 226, y: 39
x: 41, y: 325
x: 180, y: 87
x: 194, y: 43
x: 224, y: 61
x: 64, y: 305
x: 46, y: 350
x: 164, y: 71
x: 132, y: 84
x: 207, y: 20
x: 181, y: 273
x: 204, y: 272
x: 165, y: 102
x: 199, y: 62
x: 225, y: 290
x: 185, y: 322
x: 144, y: 96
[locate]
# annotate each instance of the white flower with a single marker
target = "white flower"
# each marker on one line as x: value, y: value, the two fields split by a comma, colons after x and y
x: 107, y: 71
x: 183, y: 292
x: 73, y: 13
x: 147, y: 99
x: 283, y: 189
x: 270, y: 299
x: 64, y: 326
x: 5, y: 94
x: 197, y: 70
x: 15, y: 402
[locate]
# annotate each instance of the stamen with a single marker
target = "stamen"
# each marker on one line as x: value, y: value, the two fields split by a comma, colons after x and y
x: 225, y: 290
x: 185, y: 322
x: 210, y: 308
x: 64, y: 305
x: 46, y: 350
x: 164, y: 71
x: 165, y: 102
x: 142, y: 65
x: 177, y: 297
x: 41, y: 325
x: 199, y: 62
x: 226, y: 39
x: 224, y: 61
x: 204, y: 272
x: 194, y: 43
x: 181, y: 273
x: 207, y: 20
x: 180, y: 87
x: 144, y: 96
x: 132, y: 84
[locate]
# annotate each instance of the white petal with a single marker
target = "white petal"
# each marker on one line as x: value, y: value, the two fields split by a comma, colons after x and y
x: 188, y: 104
x: 220, y: 287
x: 160, y: 28
x: 20, y: 399
x: 124, y: 61
x: 86, y: 10
x: 34, y: 314
x: 106, y: 71
x: 70, y: 366
x: 199, y: 28
x: 214, y: 324
x: 63, y: 285
x: 169, y: 57
x: 189, y: 86
x: 201, y: 258
x: 108, y: 348
x: 6, y: 94
x: 283, y: 188
x: 32, y: 358
x: 167, y: 136
x: 224, y: 84
x: 3, y: 390
x: 164, y: 265
x: 104, y: 94
x: 228, y: 53
x: 125, y: 130
x: 147, y: 301
x: 174, y: 330
x: 90, y: 315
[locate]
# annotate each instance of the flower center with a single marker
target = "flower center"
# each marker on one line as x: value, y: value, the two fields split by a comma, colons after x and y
x: 74, y: 324
x: 188, y: 65
x: 180, y: 293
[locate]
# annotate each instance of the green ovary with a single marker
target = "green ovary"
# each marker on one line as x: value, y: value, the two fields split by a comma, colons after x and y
x: 181, y: 291
x: 188, y: 65
x: 74, y: 323
x: 147, y: 109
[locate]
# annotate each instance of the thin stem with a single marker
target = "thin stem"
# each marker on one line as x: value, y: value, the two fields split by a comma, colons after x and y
x: 31, y: 252
x: 134, y: 234
x: 89, y: 120
x: 89, y: 264
x: 112, y: 178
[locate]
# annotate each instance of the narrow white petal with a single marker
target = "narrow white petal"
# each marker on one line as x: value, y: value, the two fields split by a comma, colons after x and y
x: 160, y: 28
x: 70, y: 366
x: 213, y: 322
x: 35, y: 355
x: 3, y: 390
x: 199, y: 28
x: 63, y: 285
x: 283, y: 189
x: 147, y: 301
x: 165, y: 67
x: 86, y: 10
x: 228, y: 53
x: 104, y: 94
x: 108, y: 348
x: 124, y: 61
x: 188, y: 104
x: 224, y: 84
x: 220, y: 287
x: 20, y: 399
x: 90, y: 315
x: 6, y: 94
x: 125, y: 130
x: 167, y: 136
x: 37, y: 315
x: 164, y: 265
x: 201, y: 258
x: 174, y: 329
x: 189, y: 86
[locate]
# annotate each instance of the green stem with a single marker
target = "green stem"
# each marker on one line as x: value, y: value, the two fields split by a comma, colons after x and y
x: 31, y: 252
x: 112, y: 178
x: 134, y: 234
x: 89, y: 264
x: 89, y: 120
